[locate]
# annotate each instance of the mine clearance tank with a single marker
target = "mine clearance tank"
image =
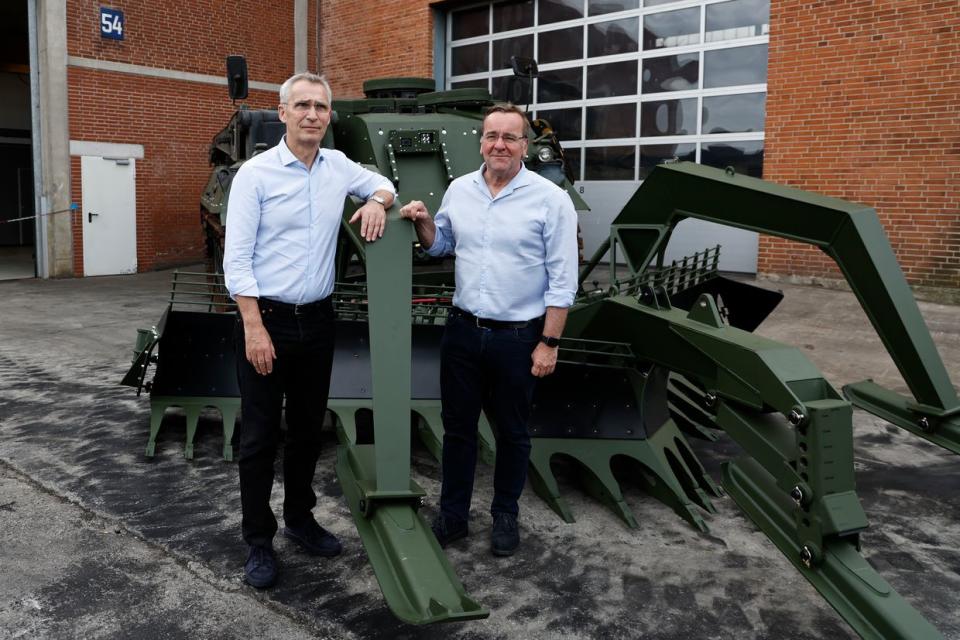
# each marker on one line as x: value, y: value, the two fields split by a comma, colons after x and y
x: 665, y: 353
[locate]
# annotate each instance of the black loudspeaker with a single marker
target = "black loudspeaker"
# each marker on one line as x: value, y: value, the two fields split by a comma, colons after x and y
x: 237, y: 77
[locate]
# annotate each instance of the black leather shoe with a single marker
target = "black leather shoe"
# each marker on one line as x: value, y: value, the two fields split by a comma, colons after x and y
x: 447, y: 530
x: 505, y: 537
x: 314, y: 539
x: 260, y: 570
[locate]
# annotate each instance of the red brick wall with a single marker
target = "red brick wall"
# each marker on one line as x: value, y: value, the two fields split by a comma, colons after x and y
x: 864, y: 104
x: 174, y: 120
x: 189, y: 35
x: 363, y: 39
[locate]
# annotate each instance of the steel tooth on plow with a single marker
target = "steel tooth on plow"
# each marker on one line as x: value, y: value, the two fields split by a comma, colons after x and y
x: 687, y: 406
x: 345, y: 418
x: 192, y: 407
x: 838, y: 571
x: 416, y: 578
x: 430, y: 427
x: 659, y: 464
x: 430, y: 431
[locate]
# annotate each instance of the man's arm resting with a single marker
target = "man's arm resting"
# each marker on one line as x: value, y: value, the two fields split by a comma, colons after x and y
x: 422, y: 222
x: 257, y: 342
x: 545, y: 358
x: 387, y: 197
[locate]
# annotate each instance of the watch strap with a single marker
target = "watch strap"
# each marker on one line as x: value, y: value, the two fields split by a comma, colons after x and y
x: 550, y: 341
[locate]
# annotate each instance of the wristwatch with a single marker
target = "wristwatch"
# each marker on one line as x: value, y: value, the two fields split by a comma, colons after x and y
x: 379, y: 199
x: 550, y: 341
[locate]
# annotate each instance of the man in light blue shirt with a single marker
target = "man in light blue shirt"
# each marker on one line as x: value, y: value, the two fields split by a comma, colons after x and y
x: 514, y: 235
x: 283, y: 217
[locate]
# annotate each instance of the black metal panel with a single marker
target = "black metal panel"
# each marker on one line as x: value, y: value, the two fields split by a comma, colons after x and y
x: 351, y: 362
x: 196, y: 356
x: 746, y: 305
x: 580, y: 401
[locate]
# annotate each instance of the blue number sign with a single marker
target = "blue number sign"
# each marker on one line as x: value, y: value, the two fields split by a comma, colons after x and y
x: 111, y: 23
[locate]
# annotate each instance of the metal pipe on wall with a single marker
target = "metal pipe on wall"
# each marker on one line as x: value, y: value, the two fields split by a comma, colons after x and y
x: 41, y: 264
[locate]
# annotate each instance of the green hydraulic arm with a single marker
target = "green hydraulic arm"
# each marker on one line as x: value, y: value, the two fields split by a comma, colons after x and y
x: 415, y: 576
x: 796, y: 477
x: 849, y: 233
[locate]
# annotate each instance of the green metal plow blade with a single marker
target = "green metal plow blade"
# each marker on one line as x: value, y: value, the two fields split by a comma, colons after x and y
x: 416, y: 578
x: 937, y: 426
x: 843, y: 577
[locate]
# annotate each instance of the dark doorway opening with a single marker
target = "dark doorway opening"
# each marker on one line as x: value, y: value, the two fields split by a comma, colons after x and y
x: 17, y: 222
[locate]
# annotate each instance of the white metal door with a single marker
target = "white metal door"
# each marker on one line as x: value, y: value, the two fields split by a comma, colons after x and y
x: 738, y: 248
x: 109, y: 215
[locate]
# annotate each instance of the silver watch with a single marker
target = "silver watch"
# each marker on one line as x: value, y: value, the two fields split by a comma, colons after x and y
x: 379, y: 199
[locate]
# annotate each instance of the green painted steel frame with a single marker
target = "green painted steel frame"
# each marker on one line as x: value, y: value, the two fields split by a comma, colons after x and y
x: 850, y: 234
x: 796, y: 479
x: 417, y: 581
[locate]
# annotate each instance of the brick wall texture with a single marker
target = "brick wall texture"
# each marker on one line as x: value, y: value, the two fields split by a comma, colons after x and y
x: 174, y: 120
x: 863, y: 104
x: 364, y: 39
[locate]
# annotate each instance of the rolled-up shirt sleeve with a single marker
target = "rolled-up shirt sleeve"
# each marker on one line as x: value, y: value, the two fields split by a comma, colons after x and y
x: 364, y: 183
x: 243, y: 220
x: 562, y: 255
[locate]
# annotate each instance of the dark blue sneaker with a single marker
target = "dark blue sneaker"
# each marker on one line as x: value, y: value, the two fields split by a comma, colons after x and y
x: 314, y: 539
x: 260, y: 570
x: 448, y: 530
x: 505, y: 537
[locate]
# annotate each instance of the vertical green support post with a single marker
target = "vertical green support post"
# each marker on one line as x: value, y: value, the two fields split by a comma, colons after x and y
x: 389, y: 282
x: 416, y: 578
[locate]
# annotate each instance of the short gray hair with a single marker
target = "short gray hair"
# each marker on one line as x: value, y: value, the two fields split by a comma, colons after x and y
x: 503, y: 107
x: 309, y: 77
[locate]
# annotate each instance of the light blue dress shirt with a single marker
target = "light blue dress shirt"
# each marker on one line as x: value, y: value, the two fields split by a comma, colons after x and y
x: 283, y: 220
x: 516, y: 252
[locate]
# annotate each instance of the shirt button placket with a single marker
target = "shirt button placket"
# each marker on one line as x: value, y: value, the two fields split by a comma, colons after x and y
x: 484, y: 249
x: 310, y: 216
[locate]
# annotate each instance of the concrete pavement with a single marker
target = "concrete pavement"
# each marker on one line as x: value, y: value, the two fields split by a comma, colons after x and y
x: 98, y: 542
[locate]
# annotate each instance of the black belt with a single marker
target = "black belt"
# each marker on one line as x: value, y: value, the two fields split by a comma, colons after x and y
x: 488, y: 323
x: 297, y: 309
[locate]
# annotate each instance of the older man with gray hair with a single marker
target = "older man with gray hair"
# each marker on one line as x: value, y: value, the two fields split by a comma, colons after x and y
x: 283, y: 217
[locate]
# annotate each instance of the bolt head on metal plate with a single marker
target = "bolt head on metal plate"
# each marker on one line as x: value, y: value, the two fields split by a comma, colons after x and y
x: 797, y: 494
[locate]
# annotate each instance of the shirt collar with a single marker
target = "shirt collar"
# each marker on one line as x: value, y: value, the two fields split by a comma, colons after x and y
x: 521, y: 179
x: 286, y: 156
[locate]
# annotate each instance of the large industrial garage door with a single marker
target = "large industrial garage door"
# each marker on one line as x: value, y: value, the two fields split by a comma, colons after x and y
x: 630, y: 85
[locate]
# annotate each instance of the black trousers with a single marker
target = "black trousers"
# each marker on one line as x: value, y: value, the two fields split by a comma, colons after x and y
x: 303, y: 341
x: 490, y: 368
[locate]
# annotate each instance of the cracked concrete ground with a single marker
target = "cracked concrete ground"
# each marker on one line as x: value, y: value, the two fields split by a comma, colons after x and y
x: 97, y: 541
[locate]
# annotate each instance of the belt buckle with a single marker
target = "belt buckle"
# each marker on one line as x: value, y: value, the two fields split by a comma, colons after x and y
x: 297, y: 309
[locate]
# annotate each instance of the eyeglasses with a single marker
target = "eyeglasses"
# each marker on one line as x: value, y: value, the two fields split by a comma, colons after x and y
x: 303, y: 106
x: 508, y: 138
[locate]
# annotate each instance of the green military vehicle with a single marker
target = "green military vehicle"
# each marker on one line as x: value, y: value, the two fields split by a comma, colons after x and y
x: 665, y: 353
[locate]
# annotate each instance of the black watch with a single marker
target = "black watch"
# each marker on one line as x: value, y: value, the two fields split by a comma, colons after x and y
x: 550, y: 341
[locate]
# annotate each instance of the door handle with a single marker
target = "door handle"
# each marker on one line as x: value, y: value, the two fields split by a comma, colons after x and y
x: 90, y: 215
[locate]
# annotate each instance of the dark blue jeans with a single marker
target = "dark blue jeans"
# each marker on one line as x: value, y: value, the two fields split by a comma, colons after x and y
x: 485, y: 368
x: 301, y: 373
